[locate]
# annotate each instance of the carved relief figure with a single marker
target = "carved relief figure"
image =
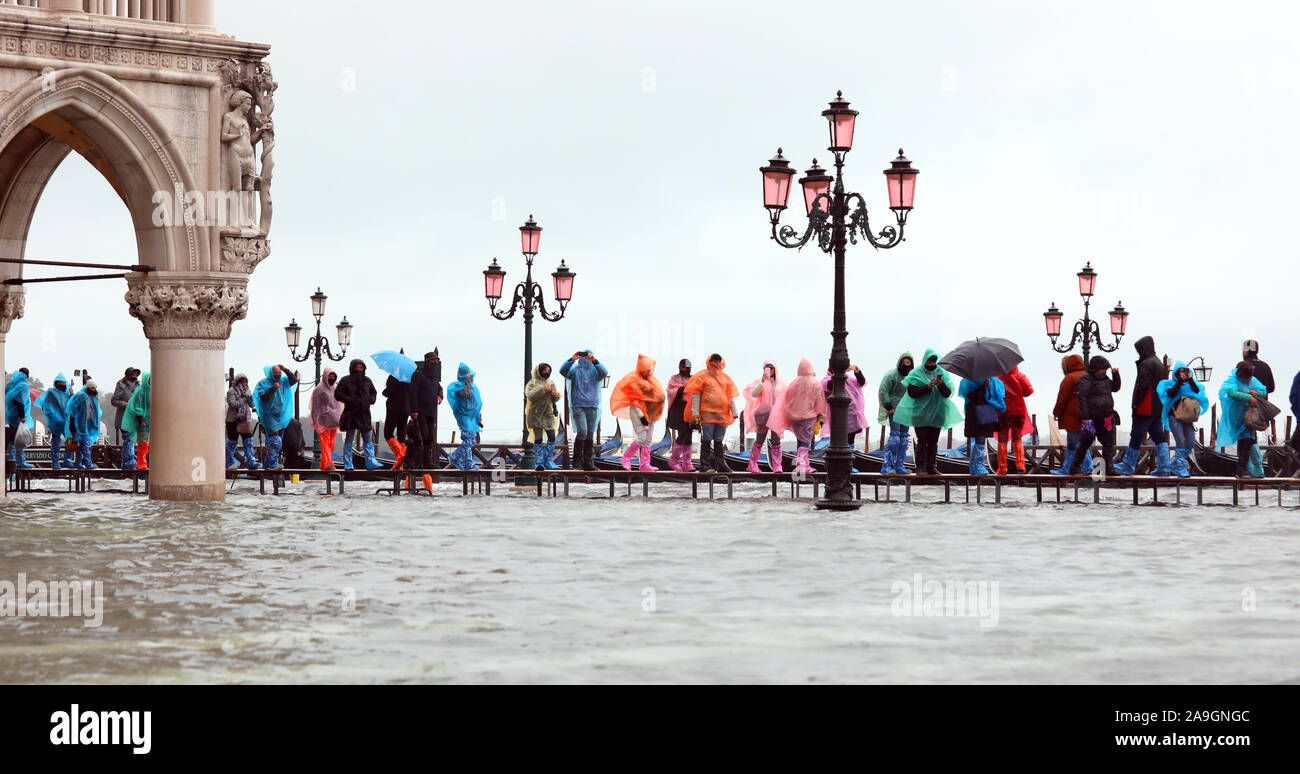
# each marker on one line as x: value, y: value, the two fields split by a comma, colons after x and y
x: 239, y: 163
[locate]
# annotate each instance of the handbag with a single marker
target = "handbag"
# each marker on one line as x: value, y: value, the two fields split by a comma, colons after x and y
x: 244, y: 428
x: 1187, y: 409
x: 70, y: 445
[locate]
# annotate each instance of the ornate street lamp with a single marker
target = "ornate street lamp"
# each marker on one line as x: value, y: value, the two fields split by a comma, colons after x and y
x: 1086, y: 330
x: 528, y: 298
x: 837, y: 217
x: 318, y: 346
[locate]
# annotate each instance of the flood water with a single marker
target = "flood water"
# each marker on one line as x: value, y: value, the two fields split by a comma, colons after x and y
x: 363, y: 588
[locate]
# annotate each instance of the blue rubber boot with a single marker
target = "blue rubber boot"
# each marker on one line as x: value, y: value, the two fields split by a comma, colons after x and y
x: 1163, y: 468
x: 55, y: 451
x: 1255, y: 466
x: 128, y: 453
x: 978, y: 465
x: 890, y: 453
x: 273, y: 444
x: 371, y: 462
x: 83, y: 455
x: 1180, y: 463
x: 548, y: 456
x: 1064, y: 470
x: 1086, y: 467
x: 1128, y: 465
x: 231, y: 464
x: 250, y: 455
x: 23, y: 464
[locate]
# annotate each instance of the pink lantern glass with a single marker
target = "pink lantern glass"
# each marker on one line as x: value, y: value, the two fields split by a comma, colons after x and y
x: 816, y: 182
x: 1118, y: 320
x: 493, y: 278
x: 1087, y: 281
x: 840, y: 120
x: 901, y: 176
x: 1053, y: 318
x: 563, y: 283
x: 776, y: 182
x: 530, y: 236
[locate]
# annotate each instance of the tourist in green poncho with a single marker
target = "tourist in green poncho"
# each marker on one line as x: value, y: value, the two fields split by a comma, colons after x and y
x: 927, y: 408
x: 892, y: 392
x: 135, y: 428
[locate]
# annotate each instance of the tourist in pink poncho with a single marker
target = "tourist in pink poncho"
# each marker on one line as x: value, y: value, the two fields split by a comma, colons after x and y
x: 802, y: 406
x: 853, y: 385
x: 325, y: 413
x: 763, y: 413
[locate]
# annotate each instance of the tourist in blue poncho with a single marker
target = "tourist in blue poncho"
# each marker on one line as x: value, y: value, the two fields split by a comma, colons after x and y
x: 18, y: 410
x: 83, y: 422
x: 1240, y: 391
x: 1182, y: 385
x: 273, y: 397
x: 982, y: 423
x: 53, y: 403
x: 467, y: 407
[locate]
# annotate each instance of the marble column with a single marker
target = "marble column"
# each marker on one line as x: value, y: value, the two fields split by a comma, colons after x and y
x: 187, y: 318
x: 12, y: 305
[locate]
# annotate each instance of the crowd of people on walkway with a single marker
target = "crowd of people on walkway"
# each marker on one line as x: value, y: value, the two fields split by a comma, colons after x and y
x: 914, y: 398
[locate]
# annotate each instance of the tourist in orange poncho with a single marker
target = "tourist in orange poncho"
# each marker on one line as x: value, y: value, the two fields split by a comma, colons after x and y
x: 715, y: 402
x: 639, y: 398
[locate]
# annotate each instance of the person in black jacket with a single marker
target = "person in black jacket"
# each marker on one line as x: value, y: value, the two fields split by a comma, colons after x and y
x: 425, y: 396
x: 1250, y: 353
x: 396, y: 408
x: 1148, y: 411
x: 357, y: 394
x: 1095, y: 392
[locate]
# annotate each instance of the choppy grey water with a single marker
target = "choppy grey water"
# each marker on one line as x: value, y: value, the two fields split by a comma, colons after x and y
x: 516, y: 589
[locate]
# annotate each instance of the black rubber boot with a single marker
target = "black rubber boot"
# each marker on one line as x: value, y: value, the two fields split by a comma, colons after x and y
x: 719, y: 458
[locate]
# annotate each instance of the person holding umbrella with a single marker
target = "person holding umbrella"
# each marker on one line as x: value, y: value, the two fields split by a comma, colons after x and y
x: 927, y: 407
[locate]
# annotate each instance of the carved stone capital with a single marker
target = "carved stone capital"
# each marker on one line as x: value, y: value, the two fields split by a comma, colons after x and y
x: 242, y: 254
x: 13, y: 302
x: 175, y: 305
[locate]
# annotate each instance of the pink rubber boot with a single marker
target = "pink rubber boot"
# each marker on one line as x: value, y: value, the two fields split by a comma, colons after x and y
x: 645, y: 464
x: 688, y: 465
x: 627, y: 456
x: 802, y: 465
x: 754, y: 452
x: 774, y: 457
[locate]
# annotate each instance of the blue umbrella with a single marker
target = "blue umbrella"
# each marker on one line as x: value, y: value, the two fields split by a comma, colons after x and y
x: 394, y: 363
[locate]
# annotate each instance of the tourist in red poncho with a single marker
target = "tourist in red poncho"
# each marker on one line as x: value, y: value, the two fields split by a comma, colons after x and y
x: 639, y: 398
x: 1014, y: 423
x: 714, y: 403
x: 763, y: 413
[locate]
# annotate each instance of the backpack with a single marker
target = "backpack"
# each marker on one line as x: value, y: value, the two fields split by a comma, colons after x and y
x: 1187, y: 409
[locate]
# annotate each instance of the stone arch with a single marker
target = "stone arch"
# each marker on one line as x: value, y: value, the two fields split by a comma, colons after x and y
x: 93, y: 113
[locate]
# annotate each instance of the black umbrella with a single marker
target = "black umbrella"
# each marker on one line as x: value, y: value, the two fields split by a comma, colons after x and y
x: 983, y: 358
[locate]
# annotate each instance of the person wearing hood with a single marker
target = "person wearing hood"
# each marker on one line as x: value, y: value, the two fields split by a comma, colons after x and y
x: 854, y: 381
x: 639, y: 398
x: 584, y: 375
x: 986, y: 399
x: 1095, y: 394
x: 1066, y: 412
x: 467, y: 407
x: 1147, y: 410
x: 53, y: 403
x: 425, y: 395
x: 1295, y: 412
x: 1182, y: 397
x: 803, y: 407
x: 239, y: 423
x: 1240, y: 391
x: 273, y: 397
x: 135, y: 427
x: 714, y: 404
x: 763, y: 413
x: 677, y: 400
x: 540, y: 398
x: 84, y: 414
x: 928, y: 408
x: 1014, y: 422
x: 18, y: 410
x: 326, y: 411
x: 397, y: 407
x: 889, y: 395
x: 357, y: 394
x: 122, y: 392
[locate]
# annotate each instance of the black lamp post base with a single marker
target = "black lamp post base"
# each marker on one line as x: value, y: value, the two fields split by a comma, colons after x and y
x: 838, y: 505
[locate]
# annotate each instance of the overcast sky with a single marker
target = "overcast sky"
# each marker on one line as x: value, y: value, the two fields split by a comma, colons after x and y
x: 1156, y: 140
